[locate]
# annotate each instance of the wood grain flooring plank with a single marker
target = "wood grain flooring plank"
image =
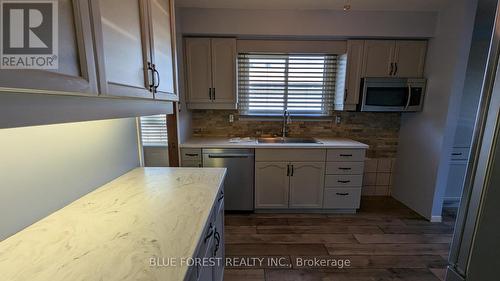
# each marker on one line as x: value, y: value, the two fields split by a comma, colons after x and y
x: 417, y: 229
x: 318, y: 229
x: 288, y: 238
x: 403, y: 238
x: 367, y: 262
x: 244, y: 275
x: 276, y: 249
x: 388, y: 249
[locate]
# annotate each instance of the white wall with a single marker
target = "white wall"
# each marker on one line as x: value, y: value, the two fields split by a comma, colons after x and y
x: 313, y: 23
x: 427, y: 137
x: 43, y: 168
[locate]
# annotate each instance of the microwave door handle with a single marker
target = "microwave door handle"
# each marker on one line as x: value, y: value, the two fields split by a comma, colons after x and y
x: 408, y: 98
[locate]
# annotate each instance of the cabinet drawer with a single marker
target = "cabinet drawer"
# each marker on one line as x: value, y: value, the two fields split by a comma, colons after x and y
x: 343, y: 180
x: 191, y: 154
x: 344, y: 168
x: 345, y: 155
x: 459, y: 153
x: 342, y: 198
x: 285, y: 155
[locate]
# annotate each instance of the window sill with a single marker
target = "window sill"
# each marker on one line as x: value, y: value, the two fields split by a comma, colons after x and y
x: 280, y: 118
x: 155, y: 145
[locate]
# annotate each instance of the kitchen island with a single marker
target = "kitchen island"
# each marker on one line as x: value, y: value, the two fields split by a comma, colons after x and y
x: 122, y: 230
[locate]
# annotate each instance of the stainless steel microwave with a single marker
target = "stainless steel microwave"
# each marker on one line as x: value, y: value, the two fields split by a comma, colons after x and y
x: 392, y: 94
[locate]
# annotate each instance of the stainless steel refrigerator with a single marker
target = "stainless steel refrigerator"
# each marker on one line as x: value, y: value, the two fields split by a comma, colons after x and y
x: 475, y: 250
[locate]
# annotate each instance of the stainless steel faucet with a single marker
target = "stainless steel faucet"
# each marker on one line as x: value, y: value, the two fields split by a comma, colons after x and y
x: 286, y: 121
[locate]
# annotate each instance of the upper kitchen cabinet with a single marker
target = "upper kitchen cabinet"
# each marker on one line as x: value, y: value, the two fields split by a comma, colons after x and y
x: 389, y: 58
x: 354, y: 70
x: 162, y: 23
x: 76, y: 73
x: 410, y: 58
x: 123, y: 48
x: 378, y: 58
x: 211, y: 73
x: 134, y: 46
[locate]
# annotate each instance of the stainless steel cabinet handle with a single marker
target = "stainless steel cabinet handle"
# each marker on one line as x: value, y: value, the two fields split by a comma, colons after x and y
x: 343, y: 168
x: 191, y: 154
x: 292, y: 171
x: 392, y: 69
x: 210, y: 93
x: 456, y: 154
x: 229, y: 155
x: 345, y: 155
x: 213, y: 93
x: 341, y: 181
x: 395, y: 68
x: 342, y: 194
x: 288, y: 170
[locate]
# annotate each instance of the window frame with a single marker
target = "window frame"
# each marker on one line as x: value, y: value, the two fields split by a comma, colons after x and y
x: 330, y: 72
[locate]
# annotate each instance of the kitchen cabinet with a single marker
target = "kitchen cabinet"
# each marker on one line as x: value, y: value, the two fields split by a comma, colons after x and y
x: 343, y: 179
x: 378, y: 60
x: 211, y: 73
x: 163, y: 54
x: 76, y: 73
x: 289, y: 178
x: 355, y: 50
x: 306, y: 184
x: 141, y: 32
x: 191, y: 157
x: 211, y: 246
x: 394, y: 58
x: 272, y: 183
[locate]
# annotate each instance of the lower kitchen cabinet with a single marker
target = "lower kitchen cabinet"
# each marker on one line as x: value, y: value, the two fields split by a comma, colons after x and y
x: 211, y: 246
x: 271, y: 185
x: 306, y: 185
x: 294, y: 185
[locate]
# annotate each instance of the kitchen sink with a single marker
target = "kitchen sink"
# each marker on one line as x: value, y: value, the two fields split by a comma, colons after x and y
x: 287, y: 140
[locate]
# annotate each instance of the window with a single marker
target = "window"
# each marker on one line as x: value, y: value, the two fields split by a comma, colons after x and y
x: 154, y: 130
x: 269, y: 84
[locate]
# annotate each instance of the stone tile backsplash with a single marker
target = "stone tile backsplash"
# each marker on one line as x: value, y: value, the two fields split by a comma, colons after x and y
x: 379, y: 130
x: 377, y: 180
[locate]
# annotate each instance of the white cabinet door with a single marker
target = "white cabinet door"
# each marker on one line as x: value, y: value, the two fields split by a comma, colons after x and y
x: 224, y: 72
x: 121, y: 37
x: 218, y: 272
x: 410, y: 58
x: 307, y: 184
x: 378, y: 58
x: 162, y: 35
x: 199, y: 70
x: 355, y: 50
x: 271, y: 185
x: 76, y: 72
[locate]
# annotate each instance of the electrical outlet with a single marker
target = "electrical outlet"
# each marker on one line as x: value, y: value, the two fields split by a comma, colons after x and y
x: 231, y: 118
x: 338, y: 120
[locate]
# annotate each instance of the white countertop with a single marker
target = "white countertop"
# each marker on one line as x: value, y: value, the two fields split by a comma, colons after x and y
x: 112, y: 232
x: 221, y: 142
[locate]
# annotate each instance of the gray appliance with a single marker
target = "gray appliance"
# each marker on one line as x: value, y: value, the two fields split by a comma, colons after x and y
x: 239, y: 185
x: 475, y: 250
x: 393, y: 94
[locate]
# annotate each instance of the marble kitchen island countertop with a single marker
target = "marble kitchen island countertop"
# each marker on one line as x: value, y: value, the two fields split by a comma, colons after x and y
x: 223, y: 142
x: 114, y: 231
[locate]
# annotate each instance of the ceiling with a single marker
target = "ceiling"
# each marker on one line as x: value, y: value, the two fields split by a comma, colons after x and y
x: 356, y: 5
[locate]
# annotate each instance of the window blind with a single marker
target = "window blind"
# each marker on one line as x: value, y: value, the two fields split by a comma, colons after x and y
x: 269, y: 84
x: 154, y: 130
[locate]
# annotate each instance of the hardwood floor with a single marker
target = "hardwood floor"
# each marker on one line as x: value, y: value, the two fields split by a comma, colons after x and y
x: 383, y: 241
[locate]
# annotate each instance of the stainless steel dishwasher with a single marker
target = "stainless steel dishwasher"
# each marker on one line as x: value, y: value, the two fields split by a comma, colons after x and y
x: 239, y: 185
